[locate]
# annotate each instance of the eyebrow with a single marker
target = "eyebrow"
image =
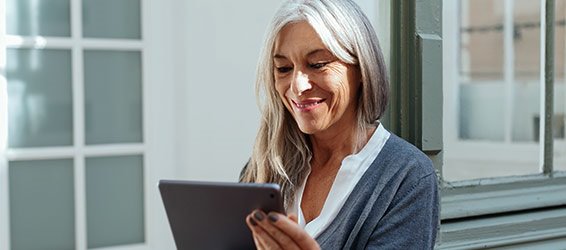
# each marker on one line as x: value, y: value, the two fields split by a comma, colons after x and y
x: 315, y: 51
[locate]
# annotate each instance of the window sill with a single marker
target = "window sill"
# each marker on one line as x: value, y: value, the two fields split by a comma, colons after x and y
x: 545, y: 227
x: 502, y: 195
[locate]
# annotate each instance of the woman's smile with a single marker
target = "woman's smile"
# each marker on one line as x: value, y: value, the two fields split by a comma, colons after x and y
x: 307, y: 104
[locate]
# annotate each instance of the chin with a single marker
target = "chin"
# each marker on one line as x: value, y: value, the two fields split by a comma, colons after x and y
x: 309, y: 130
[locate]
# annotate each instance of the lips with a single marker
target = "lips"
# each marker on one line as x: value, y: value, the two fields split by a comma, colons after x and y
x: 307, y: 105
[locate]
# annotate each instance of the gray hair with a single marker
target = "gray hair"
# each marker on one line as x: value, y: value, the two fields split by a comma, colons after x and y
x: 282, y: 152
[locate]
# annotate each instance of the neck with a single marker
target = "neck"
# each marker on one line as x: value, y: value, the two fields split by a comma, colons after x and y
x: 329, y: 147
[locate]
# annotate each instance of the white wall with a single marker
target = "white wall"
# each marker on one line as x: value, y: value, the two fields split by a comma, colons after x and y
x: 218, y: 115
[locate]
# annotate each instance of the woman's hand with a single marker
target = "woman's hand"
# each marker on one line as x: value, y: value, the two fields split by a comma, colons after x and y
x: 277, y: 231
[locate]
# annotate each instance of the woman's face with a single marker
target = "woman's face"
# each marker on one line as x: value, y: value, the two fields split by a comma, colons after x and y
x: 318, y: 89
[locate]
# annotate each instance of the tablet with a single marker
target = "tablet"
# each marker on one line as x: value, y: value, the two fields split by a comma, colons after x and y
x: 212, y: 215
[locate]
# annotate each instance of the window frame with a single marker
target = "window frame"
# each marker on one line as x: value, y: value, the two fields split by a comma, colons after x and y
x: 156, y: 147
x: 487, y: 212
x: 477, y: 197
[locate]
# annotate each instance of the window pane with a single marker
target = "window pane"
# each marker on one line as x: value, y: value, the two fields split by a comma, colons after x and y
x: 560, y: 87
x: 114, y: 200
x: 481, y: 25
x: 482, y: 95
x: 42, y: 214
x: 113, y: 95
x: 481, y: 106
x: 39, y: 98
x: 526, y: 37
x: 526, y: 86
x: 121, y: 19
x: 38, y: 17
x: 495, y: 128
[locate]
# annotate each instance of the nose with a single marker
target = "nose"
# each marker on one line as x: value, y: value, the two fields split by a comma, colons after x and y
x: 300, y: 83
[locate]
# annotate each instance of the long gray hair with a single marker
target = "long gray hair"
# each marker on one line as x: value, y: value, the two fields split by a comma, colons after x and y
x: 282, y: 153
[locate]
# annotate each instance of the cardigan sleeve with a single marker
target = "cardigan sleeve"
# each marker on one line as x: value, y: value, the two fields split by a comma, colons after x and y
x: 411, y: 221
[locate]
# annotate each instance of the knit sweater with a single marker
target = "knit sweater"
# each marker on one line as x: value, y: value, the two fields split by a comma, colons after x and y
x: 395, y: 205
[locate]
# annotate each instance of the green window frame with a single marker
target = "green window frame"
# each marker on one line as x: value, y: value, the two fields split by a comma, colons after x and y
x: 495, y: 212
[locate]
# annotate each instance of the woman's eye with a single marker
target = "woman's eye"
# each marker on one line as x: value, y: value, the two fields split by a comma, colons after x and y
x: 318, y: 65
x: 283, y: 69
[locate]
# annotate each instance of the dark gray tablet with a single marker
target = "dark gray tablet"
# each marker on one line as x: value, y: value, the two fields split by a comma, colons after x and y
x: 212, y: 215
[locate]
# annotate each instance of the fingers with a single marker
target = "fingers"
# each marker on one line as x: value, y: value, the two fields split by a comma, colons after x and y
x: 289, y: 227
x: 258, y: 244
x: 276, y: 228
x: 268, y: 234
x: 251, y: 224
x: 262, y: 239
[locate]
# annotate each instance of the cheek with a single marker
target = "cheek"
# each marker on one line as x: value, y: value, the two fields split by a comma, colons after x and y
x: 343, y: 96
x: 340, y: 89
x: 348, y: 89
x: 281, y: 88
x: 341, y: 82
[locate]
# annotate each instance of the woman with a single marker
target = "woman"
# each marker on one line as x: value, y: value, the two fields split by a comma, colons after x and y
x: 346, y: 181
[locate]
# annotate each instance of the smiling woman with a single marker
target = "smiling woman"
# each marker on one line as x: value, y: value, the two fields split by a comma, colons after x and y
x: 347, y: 182
x: 316, y: 87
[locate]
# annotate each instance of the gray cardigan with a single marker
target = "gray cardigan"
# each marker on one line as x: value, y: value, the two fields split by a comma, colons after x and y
x: 393, y: 206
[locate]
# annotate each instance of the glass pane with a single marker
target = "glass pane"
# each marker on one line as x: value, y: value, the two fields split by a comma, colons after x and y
x: 482, y: 99
x: 39, y: 98
x: 121, y: 19
x: 560, y: 87
x: 114, y: 200
x: 42, y: 206
x: 497, y: 130
x: 38, y: 17
x: 113, y: 95
x: 481, y: 40
x: 481, y: 109
x: 526, y: 111
x: 526, y: 87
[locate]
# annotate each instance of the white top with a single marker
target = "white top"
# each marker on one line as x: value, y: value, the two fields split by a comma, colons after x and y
x: 350, y: 172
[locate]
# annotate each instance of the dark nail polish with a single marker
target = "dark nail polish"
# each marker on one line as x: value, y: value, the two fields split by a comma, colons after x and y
x: 273, y: 217
x: 253, y: 222
x: 258, y: 215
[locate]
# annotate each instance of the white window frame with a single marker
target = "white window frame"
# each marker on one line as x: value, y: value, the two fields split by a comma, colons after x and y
x: 157, y: 150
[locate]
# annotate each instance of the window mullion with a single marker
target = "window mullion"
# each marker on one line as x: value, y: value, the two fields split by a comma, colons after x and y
x: 4, y: 192
x: 548, y: 79
x: 542, y: 120
x: 78, y: 125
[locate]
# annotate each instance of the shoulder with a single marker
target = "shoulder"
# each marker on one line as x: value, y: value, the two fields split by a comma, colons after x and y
x: 399, y: 169
x: 404, y: 159
x: 399, y: 185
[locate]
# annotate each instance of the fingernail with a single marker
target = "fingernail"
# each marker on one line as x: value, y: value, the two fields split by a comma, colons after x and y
x: 253, y: 222
x: 258, y: 215
x: 273, y: 217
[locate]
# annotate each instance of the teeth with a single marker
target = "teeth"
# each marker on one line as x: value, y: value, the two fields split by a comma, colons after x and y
x: 303, y: 106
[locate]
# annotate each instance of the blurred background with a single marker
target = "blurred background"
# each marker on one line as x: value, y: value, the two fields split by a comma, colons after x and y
x: 100, y: 99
